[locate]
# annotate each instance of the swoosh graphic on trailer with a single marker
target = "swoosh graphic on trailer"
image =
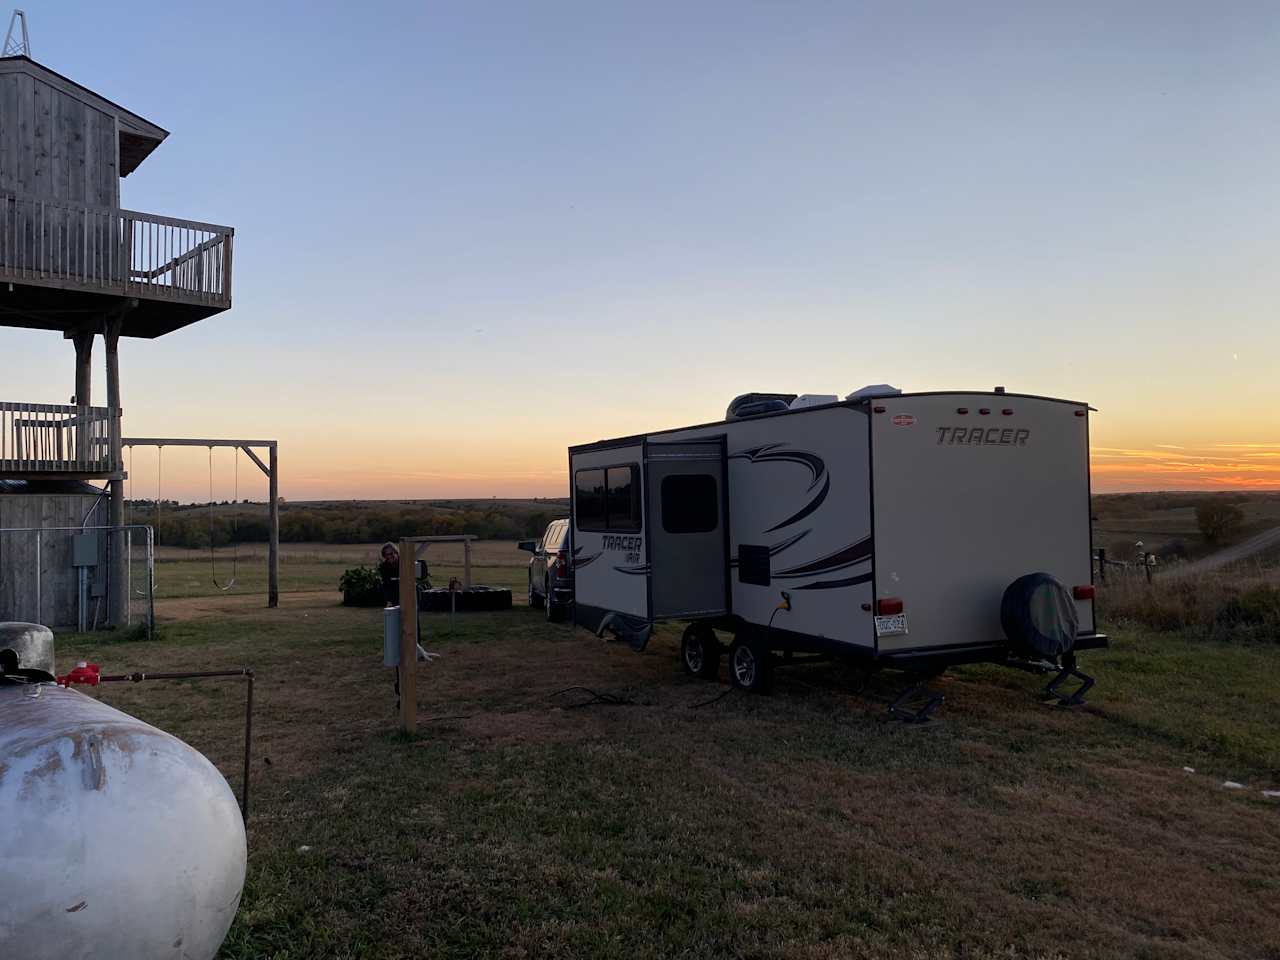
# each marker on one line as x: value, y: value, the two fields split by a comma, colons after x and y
x: 773, y: 452
x: 636, y: 570
x: 777, y: 453
x: 835, y: 584
x: 813, y: 505
x: 853, y: 554
x: 583, y: 561
x: 777, y: 548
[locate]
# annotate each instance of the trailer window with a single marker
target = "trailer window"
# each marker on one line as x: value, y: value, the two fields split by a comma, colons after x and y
x: 608, y: 498
x: 690, y: 503
x: 623, y: 499
x: 588, y: 499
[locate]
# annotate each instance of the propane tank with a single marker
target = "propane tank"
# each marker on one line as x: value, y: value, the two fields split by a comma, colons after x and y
x: 120, y: 842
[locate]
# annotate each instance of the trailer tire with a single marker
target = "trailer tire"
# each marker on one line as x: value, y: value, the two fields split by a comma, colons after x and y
x: 750, y: 665
x: 1039, y: 615
x: 700, y: 652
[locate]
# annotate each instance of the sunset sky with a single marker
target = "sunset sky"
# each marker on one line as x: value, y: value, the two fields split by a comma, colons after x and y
x: 471, y: 234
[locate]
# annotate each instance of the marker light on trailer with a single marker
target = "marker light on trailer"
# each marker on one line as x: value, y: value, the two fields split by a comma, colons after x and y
x: 962, y: 410
x: 888, y: 606
x: 1083, y: 592
x: 984, y: 411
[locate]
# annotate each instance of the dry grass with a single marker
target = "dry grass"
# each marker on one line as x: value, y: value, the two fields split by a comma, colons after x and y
x: 793, y: 826
x: 1240, y: 603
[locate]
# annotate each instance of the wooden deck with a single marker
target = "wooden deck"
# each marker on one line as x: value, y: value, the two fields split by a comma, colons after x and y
x: 56, y: 440
x: 111, y: 252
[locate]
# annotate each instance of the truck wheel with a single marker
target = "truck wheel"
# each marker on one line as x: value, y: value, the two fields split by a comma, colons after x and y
x: 555, y: 611
x: 534, y: 599
x: 750, y: 665
x: 700, y: 652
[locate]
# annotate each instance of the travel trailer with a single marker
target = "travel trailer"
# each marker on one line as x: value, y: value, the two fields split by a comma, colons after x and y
x: 910, y: 530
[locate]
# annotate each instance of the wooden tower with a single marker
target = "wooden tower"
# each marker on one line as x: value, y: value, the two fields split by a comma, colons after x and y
x: 73, y: 261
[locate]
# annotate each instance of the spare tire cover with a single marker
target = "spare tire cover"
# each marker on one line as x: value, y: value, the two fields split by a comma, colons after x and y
x: 1039, y: 615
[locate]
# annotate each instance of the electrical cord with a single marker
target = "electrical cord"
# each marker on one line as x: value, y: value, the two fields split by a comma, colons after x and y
x: 605, y: 699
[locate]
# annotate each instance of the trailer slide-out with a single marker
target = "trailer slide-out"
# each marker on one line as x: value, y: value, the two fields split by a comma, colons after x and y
x: 884, y: 527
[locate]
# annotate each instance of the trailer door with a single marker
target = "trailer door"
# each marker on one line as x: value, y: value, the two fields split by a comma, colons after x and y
x: 687, y: 534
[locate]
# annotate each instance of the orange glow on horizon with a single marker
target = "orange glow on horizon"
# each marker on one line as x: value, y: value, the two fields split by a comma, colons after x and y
x: 1219, y: 466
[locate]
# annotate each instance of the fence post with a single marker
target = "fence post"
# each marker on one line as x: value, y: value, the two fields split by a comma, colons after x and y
x: 408, y: 639
x: 1102, y: 564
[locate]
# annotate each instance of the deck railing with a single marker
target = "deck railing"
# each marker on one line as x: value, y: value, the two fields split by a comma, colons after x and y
x: 108, y: 250
x: 55, y: 438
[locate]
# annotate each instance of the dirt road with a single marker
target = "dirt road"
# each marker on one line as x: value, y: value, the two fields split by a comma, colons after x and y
x: 1232, y: 554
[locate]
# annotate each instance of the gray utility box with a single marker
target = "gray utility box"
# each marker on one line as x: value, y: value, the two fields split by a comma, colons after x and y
x: 85, y: 549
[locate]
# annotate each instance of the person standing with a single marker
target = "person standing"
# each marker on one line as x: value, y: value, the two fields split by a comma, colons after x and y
x: 389, y: 569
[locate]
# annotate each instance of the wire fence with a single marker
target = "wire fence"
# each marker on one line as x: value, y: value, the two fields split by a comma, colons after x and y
x: 61, y: 576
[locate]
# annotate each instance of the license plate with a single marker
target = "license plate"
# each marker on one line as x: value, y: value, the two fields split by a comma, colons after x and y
x: 894, y: 626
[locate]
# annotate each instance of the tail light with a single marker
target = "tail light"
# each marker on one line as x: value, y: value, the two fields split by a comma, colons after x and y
x: 888, y: 606
x: 562, y: 564
x: 1083, y: 592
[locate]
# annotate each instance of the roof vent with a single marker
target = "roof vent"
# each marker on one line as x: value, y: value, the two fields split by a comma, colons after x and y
x: 874, y: 390
x: 754, y: 404
x: 813, y: 400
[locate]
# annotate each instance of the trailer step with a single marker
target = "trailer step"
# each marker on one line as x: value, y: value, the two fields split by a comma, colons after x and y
x: 901, y: 710
x: 1069, y: 669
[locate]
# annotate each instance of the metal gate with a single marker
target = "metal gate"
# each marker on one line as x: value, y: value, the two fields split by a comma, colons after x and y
x: 60, y: 576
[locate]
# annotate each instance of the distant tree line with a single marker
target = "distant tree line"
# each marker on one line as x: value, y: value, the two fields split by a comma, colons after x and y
x: 189, y: 525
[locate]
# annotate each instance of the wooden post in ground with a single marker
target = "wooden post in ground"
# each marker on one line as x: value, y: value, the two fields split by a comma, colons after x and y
x: 408, y: 639
x: 466, y: 564
x: 273, y: 535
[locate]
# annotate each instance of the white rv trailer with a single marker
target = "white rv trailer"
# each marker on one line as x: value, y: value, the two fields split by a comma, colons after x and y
x: 886, y: 527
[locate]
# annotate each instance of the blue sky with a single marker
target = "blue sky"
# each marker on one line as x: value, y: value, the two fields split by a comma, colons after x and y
x: 469, y: 234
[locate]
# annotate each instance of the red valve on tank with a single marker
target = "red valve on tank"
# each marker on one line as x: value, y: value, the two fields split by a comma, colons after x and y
x: 86, y: 674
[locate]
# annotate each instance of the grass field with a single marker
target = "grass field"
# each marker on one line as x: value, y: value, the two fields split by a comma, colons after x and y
x: 521, y: 824
x: 316, y: 567
x: 1160, y: 519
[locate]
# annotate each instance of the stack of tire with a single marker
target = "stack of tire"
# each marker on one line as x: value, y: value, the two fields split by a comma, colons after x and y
x: 475, y: 599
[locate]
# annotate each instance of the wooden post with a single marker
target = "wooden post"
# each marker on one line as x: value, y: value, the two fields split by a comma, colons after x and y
x: 117, y: 605
x: 84, y: 389
x: 466, y: 564
x: 273, y: 535
x: 408, y: 640
x: 84, y: 372
x: 1102, y: 564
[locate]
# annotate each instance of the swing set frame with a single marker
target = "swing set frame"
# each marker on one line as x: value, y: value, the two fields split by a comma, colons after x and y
x: 271, y: 468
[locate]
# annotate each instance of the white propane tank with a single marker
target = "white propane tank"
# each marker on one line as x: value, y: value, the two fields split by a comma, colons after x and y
x: 120, y: 841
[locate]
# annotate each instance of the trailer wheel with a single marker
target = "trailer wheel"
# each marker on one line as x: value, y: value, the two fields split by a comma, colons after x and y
x: 700, y: 652
x: 750, y: 665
